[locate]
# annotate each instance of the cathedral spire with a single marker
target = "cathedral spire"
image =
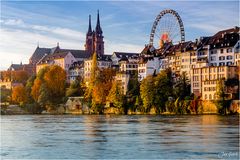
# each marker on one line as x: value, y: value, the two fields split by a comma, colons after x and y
x: 89, y: 26
x: 98, y: 26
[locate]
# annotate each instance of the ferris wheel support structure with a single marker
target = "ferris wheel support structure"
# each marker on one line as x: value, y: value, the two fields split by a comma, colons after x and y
x: 158, y: 19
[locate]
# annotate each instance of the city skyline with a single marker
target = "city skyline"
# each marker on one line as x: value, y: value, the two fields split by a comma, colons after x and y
x: 126, y: 25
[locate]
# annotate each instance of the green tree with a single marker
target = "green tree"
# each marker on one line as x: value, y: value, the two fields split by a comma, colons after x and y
x: 182, y: 86
x: 221, y: 102
x: 163, y: 89
x: 133, y: 93
x: 5, y: 94
x: 28, y: 88
x: 44, y: 97
x: 147, y: 93
x: 75, y: 89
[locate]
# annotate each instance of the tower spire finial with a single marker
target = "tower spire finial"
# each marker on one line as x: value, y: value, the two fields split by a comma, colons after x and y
x: 89, y: 26
x: 98, y: 26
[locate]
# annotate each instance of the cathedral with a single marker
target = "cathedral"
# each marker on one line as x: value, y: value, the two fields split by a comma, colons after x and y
x: 94, y: 39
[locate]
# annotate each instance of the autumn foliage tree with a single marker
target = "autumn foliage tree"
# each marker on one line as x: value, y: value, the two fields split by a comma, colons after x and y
x: 92, y: 80
x: 36, y: 89
x: 55, y: 80
x: 116, y: 96
x: 19, y: 95
x: 49, y: 86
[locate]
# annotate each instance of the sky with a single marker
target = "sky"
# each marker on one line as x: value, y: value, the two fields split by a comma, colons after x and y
x: 126, y: 25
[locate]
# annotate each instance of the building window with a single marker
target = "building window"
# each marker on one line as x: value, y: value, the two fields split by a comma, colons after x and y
x: 222, y: 58
x: 210, y: 96
x: 205, y: 96
x: 221, y: 51
x: 229, y: 57
x: 222, y: 64
x: 229, y: 50
x: 213, y: 58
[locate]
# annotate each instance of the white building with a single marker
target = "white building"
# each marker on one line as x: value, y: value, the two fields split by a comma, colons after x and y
x: 148, y: 66
x: 76, y: 71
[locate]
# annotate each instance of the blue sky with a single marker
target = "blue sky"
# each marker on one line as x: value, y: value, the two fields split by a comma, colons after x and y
x: 126, y: 24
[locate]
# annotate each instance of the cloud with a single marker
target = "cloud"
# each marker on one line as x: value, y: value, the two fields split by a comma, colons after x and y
x: 111, y: 46
x: 20, y: 43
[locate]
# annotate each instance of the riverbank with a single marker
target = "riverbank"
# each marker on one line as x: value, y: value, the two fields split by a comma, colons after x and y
x: 205, y: 108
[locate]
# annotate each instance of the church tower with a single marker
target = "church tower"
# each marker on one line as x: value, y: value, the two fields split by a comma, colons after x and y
x: 98, y: 38
x: 89, y: 38
x: 94, y: 39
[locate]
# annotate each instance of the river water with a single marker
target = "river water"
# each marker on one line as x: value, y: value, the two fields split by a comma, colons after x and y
x: 119, y: 137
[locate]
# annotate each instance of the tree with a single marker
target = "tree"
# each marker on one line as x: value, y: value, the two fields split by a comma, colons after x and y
x: 19, y: 95
x: 28, y: 88
x: 35, y: 89
x: 35, y: 92
x: 221, y: 102
x: 5, y: 94
x: 94, y: 70
x: 49, y: 86
x: 75, y: 89
x: 20, y: 76
x: 115, y: 95
x: 44, y: 96
x: 101, y: 88
x: 163, y: 89
x: 182, y: 86
x: 133, y: 92
x: 55, y: 80
x: 147, y: 93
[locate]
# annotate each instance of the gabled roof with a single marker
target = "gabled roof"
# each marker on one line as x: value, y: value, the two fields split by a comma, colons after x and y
x: 38, y: 54
x: 225, y: 38
x: 78, y: 53
x: 16, y: 67
x: 126, y: 54
x: 53, y: 56
x: 42, y: 54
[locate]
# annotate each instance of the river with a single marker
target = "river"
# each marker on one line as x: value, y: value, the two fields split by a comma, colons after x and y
x: 119, y: 137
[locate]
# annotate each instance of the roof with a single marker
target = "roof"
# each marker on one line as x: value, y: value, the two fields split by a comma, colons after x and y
x: 78, y: 53
x: 127, y: 54
x: 16, y: 67
x: 224, y: 38
x: 78, y: 64
x: 104, y: 58
x: 38, y: 54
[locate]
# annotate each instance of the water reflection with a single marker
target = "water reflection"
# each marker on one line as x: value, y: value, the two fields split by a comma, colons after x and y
x: 119, y: 137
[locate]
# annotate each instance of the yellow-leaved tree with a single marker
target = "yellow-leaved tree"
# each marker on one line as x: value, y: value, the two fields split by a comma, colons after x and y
x: 19, y: 95
x: 55, y: 80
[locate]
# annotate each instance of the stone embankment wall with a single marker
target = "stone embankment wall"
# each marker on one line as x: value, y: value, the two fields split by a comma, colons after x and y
x: 75, y: 105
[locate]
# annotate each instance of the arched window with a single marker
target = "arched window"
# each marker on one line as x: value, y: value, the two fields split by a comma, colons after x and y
x: 205, y: 96
x: 215, y: 96
x: 210, y: 96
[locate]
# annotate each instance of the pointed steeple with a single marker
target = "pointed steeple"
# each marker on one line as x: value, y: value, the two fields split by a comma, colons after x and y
x: 98, y: 26
x: 89, y: 27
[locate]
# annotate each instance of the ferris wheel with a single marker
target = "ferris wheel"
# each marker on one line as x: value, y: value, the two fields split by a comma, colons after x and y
x: 167, y: 28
